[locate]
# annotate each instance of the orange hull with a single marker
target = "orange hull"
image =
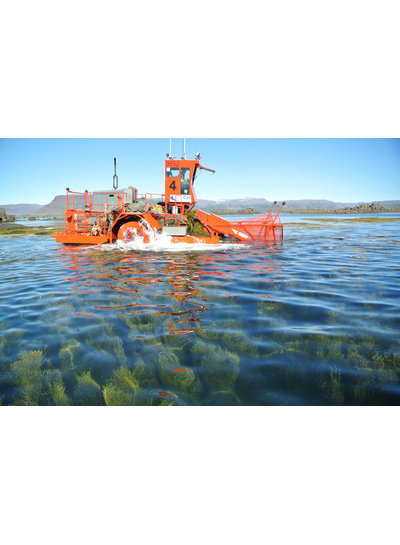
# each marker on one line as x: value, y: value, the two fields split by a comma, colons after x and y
x: 79, y: 238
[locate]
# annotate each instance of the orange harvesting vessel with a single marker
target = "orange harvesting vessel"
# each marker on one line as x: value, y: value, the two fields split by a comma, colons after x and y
x: 100, y: 217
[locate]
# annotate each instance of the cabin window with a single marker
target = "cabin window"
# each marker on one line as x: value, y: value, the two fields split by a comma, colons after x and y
x: 185, y: 174
x: 185, y: 179
x: 172, y: 172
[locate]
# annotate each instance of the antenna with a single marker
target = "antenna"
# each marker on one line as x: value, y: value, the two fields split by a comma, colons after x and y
x: 115, y: 177
x: 183, y: 149
x: 170, y: 147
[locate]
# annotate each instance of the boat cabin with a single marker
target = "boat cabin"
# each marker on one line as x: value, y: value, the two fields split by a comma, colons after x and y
x: 180, y: 175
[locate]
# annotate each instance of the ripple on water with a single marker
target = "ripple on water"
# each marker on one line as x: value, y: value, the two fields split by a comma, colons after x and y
x: 314, y: 321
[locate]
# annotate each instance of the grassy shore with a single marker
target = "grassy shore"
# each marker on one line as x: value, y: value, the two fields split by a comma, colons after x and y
x: 16, y: 229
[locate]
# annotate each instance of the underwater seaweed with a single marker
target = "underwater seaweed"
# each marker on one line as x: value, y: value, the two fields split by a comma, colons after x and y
x: 168, y: 358
x: 332, y: 387
x: 175, y: 345
x: 87, y: 391
x: 56, y: 388
x: 69, y: 353
x: 239, y: 343
x: 118, y: 347
x: 386, y: 367
x: 145, y: 324
x: 331, y: 351
x: 28, y: 377
x: 122, y: 388
x: 219, y: 368
x: 144, y: 373
x: 176, y: 376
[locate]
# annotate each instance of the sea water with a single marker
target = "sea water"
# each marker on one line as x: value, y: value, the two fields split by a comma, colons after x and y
x: 312, y: 321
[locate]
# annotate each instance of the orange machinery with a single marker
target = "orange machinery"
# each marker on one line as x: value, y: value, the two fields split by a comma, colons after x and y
x: 106, y: 216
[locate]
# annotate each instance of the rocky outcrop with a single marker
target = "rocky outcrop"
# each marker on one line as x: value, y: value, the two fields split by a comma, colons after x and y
x: 4, y: 218
x: 364, y: 208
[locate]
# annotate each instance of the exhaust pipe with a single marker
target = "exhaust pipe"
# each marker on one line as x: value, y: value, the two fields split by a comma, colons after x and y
x: 115, y: 177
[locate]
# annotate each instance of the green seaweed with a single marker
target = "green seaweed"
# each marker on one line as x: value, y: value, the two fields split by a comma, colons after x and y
x: 122, y: 388
x: 331, y: 351
x: 194, y: 226
x: 176, y: 376
x: 144, y: 373
x: 87, y: 391
x: 238, y: 343
x: 389, y: 363
x: 168, y: 358
x: 332, y: 388
x: 68, y: 354
x: 145, y: 324
x: 118, y: 347
x: 28, y: 377
x: 219, y: 368
x: 55, y: 386
x: 200, y: 349
x: 108, y: 345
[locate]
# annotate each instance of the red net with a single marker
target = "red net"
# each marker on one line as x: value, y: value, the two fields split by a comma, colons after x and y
x: 265, y: 227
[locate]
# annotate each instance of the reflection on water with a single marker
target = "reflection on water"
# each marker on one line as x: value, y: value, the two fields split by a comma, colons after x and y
x: 314, y: 321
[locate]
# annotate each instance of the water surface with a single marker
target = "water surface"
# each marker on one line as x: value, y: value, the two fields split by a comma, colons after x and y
x: 313, y: 321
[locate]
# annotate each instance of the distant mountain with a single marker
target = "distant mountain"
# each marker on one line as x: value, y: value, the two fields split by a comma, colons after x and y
x: 315, y: 204
x: 57, y: 205
x: 234, y: 204
x: 390, y: 204
x: 20, y: 209
x: 261, y: 205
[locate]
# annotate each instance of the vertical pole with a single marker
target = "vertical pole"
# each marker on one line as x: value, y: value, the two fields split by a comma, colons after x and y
x: 170, y: 147
x: 183, y: 148
x: 115, y: 177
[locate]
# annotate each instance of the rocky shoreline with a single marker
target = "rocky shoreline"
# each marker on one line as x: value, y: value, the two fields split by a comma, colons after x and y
x: 372, y: 208
x: 364, y: 208
x: 4, y: 218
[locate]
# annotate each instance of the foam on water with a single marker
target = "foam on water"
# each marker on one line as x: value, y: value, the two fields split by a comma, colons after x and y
x: 164, y: 243
x: 134, y: 241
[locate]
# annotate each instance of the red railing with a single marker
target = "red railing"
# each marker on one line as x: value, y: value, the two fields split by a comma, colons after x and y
x: 88, y: 210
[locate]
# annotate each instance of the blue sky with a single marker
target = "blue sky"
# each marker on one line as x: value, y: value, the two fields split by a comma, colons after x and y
x: 345, y: 170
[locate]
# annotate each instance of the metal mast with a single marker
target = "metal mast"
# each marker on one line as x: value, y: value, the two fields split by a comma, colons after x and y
x: 115, y: 177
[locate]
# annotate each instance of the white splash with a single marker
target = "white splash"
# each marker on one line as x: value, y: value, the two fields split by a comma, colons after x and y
x: 134, y: 241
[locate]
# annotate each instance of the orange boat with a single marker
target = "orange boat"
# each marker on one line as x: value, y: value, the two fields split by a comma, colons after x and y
x: 100, y: 217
